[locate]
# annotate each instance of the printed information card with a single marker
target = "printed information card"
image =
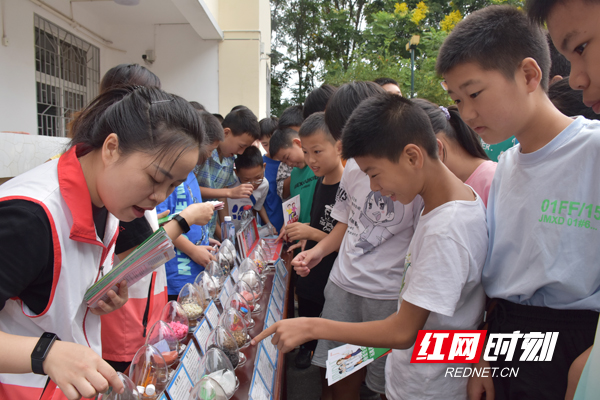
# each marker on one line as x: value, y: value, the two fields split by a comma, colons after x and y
x: 265, y: 368
x: 180, y: 386
x: 191, y: 362
x: 212, y: 314
x: 258, y: 390
x: 201, y: 334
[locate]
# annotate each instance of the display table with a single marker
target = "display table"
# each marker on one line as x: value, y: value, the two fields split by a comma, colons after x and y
x: 274, y: 301
x: 245, y: 372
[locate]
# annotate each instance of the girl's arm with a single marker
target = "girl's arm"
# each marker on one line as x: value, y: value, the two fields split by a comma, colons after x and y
x: 398, y: 331
x: 76, y: 369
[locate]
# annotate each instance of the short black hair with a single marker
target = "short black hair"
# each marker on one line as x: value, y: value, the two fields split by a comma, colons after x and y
x: 344, y: 101
x: 394, y: 121
x: 569, y: 101
x: 197, y: 106
x: 314, y: 124
x: 250, y: 158
x: 496, y: 38
x: 559, y: 65
x: 317, y: 99
x: 538, y: 10
x: 385, y: 81
x: 242, y: 120
x: 219, y: 117
x: 212, y: 127
x: 281, y: 139
x: 291, y: 116
x: 452, y: 125
x: 268, y: 126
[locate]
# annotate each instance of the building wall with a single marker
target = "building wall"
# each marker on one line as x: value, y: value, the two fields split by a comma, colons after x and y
x: 17, y: 63
x: 186, y: 64
x: 245, y: 24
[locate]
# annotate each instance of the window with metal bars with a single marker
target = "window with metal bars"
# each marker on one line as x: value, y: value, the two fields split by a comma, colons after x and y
x: 67, y: 74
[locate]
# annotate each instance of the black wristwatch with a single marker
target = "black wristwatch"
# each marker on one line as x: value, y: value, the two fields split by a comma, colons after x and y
x: 40, y: 352
x: 182, y: 223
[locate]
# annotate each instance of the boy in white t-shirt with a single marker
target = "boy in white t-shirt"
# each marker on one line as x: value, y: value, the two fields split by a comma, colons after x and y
x: 542, y: 268
x: 249, y: 169
x: 372, y: 235
x: 441, y: 287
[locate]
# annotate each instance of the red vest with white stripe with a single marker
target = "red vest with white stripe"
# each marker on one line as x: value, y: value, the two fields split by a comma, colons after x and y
x: 80, y: 256
x: 124, y: 331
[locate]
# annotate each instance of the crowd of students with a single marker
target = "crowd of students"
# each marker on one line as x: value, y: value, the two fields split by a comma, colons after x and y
x: 412, y: 216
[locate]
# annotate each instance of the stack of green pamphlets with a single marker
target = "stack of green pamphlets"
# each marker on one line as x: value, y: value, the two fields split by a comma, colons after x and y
x: 155, y: 251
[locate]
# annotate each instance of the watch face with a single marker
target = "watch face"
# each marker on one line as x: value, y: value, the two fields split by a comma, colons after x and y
x: 42, y: 346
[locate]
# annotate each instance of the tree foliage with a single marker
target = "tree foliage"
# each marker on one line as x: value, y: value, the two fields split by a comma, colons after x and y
x: 337, y: 41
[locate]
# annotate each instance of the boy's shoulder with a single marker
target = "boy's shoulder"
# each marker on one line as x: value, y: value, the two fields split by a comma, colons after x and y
x: 455, y: 220
x: 577, y: 139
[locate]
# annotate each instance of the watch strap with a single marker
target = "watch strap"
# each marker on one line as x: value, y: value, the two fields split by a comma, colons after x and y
x: 40, y: 352
x: 182, y: 223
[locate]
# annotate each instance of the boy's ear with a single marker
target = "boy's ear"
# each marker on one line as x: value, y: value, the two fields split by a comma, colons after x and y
x: 297, y: 142
x: 227, y: 131
x: 413, y: 155
x: 338, y: 147
x: 264, y: 165
x: 532, y: 73
x: 110, y: 149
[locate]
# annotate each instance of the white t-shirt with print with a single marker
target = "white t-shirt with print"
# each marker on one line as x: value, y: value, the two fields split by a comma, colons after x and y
x: 544, y: 223
x: 371, y: 256
x: 443, y: 275
x: 256, y: 200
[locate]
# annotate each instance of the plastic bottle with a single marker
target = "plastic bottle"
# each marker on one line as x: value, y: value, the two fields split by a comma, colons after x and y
x: 228, y: 229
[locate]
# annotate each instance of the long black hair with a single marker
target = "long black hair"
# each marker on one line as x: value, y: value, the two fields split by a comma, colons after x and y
x: 145, y: 119
x: 453, y: 126
x: 128, y: 74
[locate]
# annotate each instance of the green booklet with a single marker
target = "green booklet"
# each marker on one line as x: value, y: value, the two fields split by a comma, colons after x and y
x: 155, y: 251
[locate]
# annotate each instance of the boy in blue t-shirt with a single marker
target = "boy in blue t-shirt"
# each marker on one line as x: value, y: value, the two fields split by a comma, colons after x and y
x: 192, y: 249
x: 273, y: 201
x: 542, y: 265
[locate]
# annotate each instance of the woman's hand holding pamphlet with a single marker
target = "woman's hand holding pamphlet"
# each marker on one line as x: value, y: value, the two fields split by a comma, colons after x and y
x: 148, y: 256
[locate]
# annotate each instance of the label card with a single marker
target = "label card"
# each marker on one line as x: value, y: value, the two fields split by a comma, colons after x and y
x: 191, y: 362
x: 276, y: 298
x: 265, y: 368
x: 180, y: 386
x: 201, y: 334
x: 212, y: 314
x: 223, y: 296
x: 235, y: 274
x: 279, y: 285
x: 270, y: 349
x: 274, y: 310
x: 258, y: 390
x: 280, y: 268
x: 270, y: 320
x: 229, y: 286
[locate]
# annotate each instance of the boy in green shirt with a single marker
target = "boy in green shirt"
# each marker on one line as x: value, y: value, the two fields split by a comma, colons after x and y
x: 285, y: 146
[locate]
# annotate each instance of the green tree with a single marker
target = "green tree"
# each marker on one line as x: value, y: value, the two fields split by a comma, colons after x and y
x: 342, y: 40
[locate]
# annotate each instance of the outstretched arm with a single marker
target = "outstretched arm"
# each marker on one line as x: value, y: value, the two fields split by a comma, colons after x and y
x: 398, y: 331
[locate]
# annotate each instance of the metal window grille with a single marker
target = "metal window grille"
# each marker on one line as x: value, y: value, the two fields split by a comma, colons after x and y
x: 67, y: 75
